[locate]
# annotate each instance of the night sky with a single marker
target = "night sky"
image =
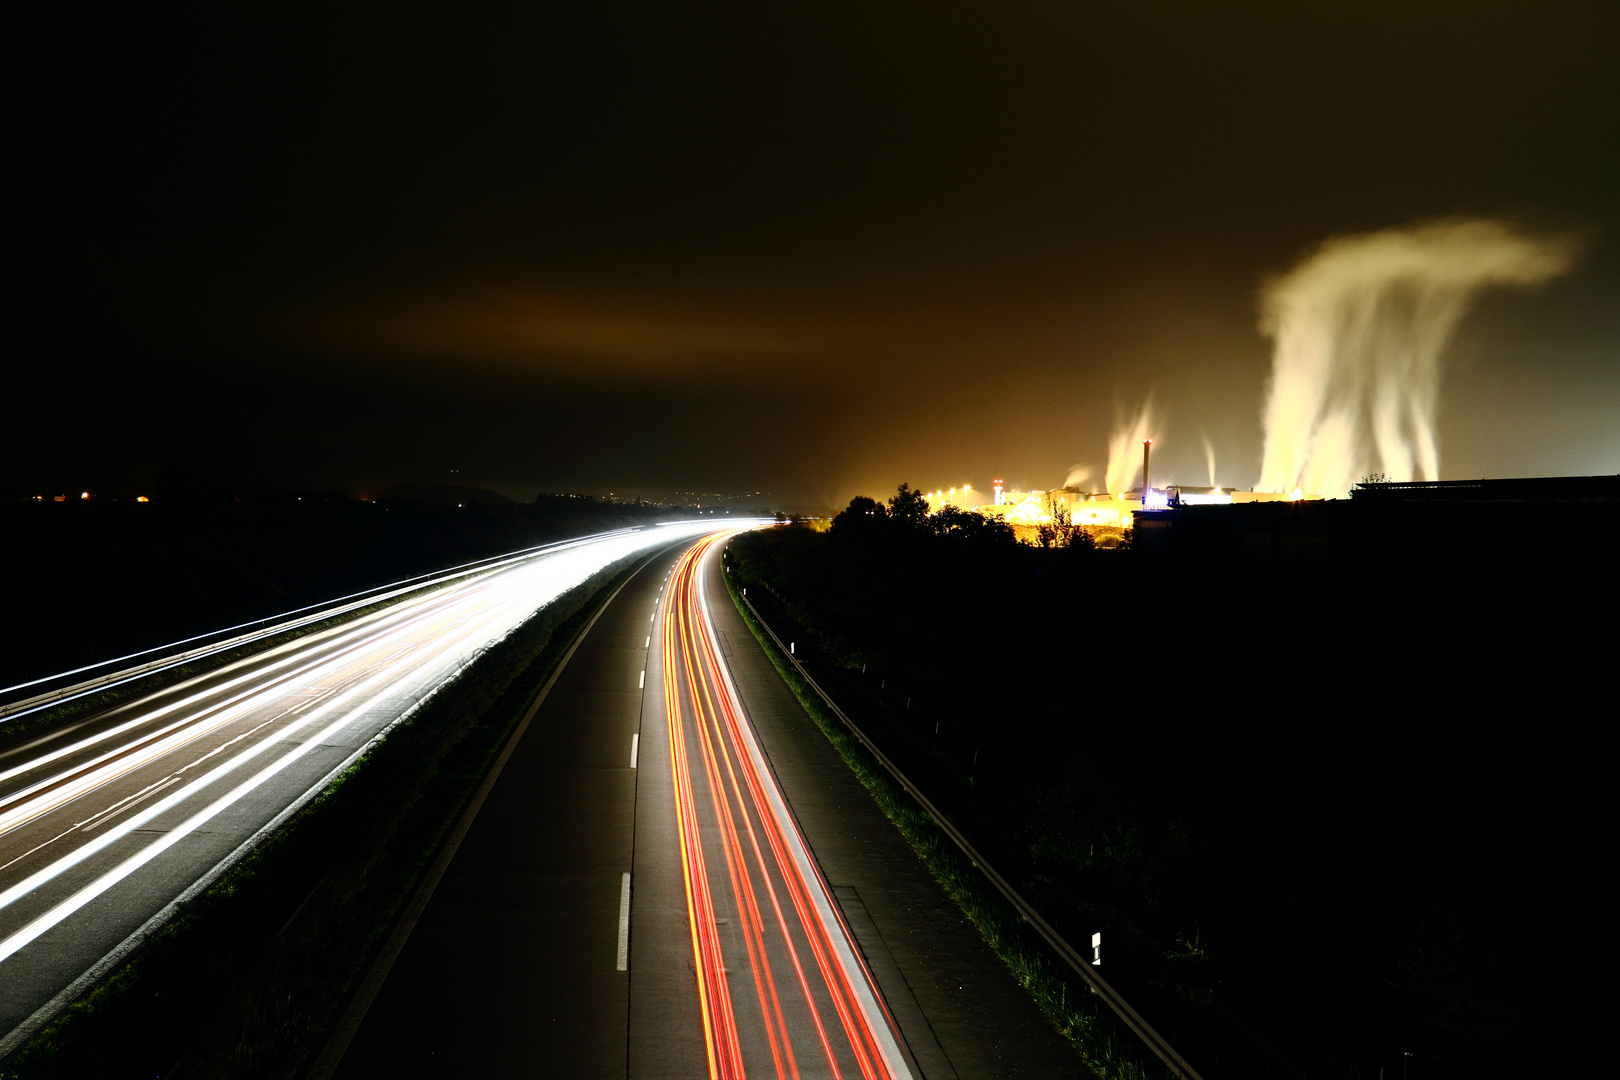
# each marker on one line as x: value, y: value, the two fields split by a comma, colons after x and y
x: 809, y: 249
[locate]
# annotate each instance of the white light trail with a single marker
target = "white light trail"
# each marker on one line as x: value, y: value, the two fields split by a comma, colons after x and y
x: 365, y: 675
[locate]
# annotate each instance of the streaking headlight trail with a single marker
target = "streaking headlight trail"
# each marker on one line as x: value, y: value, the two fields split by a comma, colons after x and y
x: 104, y: 822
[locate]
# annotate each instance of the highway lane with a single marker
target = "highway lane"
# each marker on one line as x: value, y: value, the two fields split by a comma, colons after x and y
x: 783, y: 990
x: 106, y: 822
x: 633, y: 899
x: 516, y: 966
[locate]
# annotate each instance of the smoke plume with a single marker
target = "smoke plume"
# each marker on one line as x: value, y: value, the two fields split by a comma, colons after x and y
x: 1360, y: 327
x: 1078, y: 474
x: 1125, y: 447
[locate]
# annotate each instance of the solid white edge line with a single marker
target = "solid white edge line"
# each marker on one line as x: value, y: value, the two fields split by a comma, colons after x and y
x: 623, y: 963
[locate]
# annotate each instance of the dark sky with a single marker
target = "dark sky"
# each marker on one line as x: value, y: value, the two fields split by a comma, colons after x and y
x: 813, y: 249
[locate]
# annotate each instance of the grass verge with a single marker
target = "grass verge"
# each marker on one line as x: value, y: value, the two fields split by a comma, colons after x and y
x: 248, y: 979
x: 1067, y: 1003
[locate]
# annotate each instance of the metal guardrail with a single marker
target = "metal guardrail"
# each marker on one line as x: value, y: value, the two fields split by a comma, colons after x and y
x: 1133, y: 1020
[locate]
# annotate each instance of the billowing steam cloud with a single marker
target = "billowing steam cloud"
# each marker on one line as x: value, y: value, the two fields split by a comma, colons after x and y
x: 1125, y: 447
x: 1078, y: 475
x: 1360, y: 328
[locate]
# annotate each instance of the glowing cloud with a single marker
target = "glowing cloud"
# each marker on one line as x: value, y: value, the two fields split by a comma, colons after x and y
x: 1361, y: 326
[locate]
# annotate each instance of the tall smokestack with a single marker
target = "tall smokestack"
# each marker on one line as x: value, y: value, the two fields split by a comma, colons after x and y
x: 1147, y: 448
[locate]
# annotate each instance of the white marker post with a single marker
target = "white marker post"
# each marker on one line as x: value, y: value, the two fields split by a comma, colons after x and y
x: 1096, y: 950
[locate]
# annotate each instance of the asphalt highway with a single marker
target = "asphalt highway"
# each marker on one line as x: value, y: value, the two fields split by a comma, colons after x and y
x: 523, y: 963
x: 782, y: 986
x: 676, y: 876
x: 107, y: 822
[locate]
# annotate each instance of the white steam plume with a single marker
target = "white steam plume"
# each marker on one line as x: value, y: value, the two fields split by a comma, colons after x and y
x: 1209, y: 459
x: 1360, y: 328
x: 1078, y: 474
x: 1125, y: 447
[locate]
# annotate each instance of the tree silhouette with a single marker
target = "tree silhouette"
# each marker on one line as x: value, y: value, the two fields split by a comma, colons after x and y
x: 909, y: 506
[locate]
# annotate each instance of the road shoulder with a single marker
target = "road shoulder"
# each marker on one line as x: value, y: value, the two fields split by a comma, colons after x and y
x: 971, y: 1019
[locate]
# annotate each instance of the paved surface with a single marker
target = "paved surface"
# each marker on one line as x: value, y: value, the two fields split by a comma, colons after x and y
x: 105, y: 822
x: 512, y: 969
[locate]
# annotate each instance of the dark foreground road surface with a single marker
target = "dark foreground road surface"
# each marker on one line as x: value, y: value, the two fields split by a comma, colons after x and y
x: 108, y: 821
x: 820, y: 941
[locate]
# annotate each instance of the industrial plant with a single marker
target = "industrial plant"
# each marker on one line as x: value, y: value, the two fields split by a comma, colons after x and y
x: 1105, y: 514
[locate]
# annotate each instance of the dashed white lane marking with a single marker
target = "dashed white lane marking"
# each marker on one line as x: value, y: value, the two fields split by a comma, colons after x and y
x: 624, y: 925
x: 635, y: 748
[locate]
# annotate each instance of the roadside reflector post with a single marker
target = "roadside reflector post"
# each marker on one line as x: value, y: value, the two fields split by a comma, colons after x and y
x: 792, y: 646
x: 1096, y: 950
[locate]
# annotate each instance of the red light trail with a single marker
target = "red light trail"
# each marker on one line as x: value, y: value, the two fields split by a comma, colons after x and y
x: 805, y: 1005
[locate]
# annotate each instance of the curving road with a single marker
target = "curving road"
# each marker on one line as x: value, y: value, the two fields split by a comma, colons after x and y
x: 674, y: 875
x: 106, y: 823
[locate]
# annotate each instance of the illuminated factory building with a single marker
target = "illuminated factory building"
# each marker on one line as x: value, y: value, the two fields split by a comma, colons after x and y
x: 1103, y: 511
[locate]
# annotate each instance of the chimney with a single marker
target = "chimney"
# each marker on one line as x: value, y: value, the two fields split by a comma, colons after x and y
x: 1147, y: 447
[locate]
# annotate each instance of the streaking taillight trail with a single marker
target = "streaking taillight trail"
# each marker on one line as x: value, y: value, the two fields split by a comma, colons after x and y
x: 805, y: 1005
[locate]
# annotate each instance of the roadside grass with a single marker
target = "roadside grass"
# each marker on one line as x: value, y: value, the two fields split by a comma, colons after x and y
x: 1094, y: 1033
x: 248, y: 979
